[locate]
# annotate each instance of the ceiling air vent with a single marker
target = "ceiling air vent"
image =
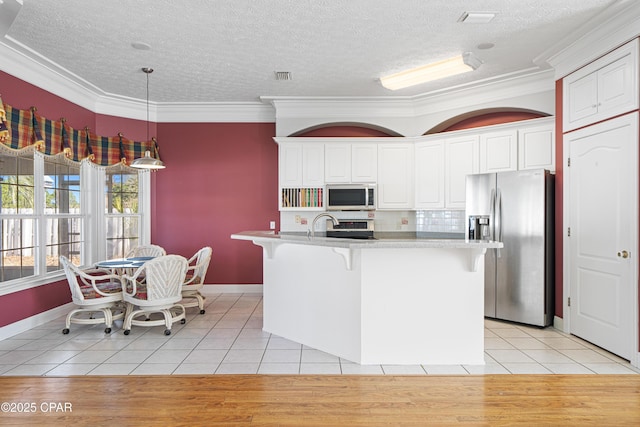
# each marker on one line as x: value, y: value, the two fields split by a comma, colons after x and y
x: 283, y: 75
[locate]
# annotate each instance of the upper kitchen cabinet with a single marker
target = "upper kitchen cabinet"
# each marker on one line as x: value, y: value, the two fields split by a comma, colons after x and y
x: 605, y: 88
x: 346, y: 163
x: 429, y: 173
x: 499, y: 151
x: 364, y: 163
x: 537, y: 147
x: 301, y: 164
x: 461, y: 159
x: 395, y: 175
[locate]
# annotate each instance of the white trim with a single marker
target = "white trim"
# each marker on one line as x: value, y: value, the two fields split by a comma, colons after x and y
x: 413, y: 116
x: 558, y: 323
x: 27, y: 65
x: 610, y: 29
x: 34, y: 321
x: 207, y: 112
x: 50, y: 315
x: 231, y: 289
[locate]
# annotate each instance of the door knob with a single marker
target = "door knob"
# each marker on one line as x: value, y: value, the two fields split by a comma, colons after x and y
x: 623, y: 254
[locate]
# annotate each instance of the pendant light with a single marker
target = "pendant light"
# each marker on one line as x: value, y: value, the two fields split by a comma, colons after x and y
x: 148, y: 162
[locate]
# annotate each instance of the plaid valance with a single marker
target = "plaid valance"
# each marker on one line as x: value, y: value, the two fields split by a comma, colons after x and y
x: 20, y: 129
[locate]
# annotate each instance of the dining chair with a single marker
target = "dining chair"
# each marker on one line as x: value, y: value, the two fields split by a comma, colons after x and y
x: 146, y: 251
x: 93, y: 291
x: 198, y: 265
x: 159, y: 292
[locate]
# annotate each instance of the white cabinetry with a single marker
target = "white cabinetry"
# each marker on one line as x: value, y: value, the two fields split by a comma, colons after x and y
x: 301, y: 164
x: 499, y: 151
x: 461, y: 159
x: 429, y: 172
x: 300, y: 175
x: 395, y: 176
x: 350, y: 163
x: 537, y: 147
x: 337, y: 162
x: 364, y: 162
x: 605, y: 88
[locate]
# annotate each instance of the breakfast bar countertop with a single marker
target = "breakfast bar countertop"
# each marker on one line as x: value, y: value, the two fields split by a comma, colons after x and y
x: 387, y: 240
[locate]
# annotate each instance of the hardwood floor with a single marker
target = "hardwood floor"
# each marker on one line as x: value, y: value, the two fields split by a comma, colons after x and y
x: 298, y: 400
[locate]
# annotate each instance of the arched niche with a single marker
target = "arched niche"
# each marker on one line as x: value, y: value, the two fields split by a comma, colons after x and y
x: 345, y: 130
x: 485, y: 117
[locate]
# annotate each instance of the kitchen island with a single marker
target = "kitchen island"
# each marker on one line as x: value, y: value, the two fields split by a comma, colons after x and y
x: 384, y: 301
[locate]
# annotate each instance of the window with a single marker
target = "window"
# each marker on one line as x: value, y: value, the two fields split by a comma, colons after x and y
x: 122, y: 213
x: 63, y: 216
x: 50, y: 206
x: 18, y: 217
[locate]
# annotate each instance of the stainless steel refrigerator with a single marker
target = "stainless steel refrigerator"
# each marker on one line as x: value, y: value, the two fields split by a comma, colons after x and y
x: 516, y: 208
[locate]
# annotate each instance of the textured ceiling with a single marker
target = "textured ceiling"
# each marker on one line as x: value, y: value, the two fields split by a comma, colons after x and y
x: 227, y: 50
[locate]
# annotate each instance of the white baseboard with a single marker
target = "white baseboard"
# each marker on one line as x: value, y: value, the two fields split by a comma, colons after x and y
x: 558, y: 323
x: 231, y: 289
x: 34, y: 321
x: 50, y: 315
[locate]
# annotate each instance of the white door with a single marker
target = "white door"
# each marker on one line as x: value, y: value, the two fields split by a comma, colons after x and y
x: 603, y: 221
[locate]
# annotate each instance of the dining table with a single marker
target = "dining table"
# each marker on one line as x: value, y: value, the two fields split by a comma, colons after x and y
x: 122, y: 266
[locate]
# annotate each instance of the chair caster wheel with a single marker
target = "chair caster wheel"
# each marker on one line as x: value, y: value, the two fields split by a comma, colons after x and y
x: 202, y: 311
x: 127, y: 331
x: 65, y: 331
x: 167, y: 332
x: 183, y: 321
x: 107, y: 330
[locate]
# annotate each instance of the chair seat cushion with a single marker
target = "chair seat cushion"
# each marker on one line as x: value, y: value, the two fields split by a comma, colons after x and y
x: 196, y: 280
x: 88, y: 292
x: 141, y: 290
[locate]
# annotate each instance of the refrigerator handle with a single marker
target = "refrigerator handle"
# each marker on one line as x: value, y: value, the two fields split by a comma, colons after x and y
x: 492, y: 214
x: 498, y: 219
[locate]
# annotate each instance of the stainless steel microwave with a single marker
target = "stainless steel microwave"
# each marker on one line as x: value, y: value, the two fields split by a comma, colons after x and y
x: 351, y: 197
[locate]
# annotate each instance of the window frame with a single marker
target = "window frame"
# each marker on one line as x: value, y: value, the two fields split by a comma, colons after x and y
x: 92, y: 206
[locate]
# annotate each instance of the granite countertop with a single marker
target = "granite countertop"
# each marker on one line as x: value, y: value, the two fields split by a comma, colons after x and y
x: 387, y: 240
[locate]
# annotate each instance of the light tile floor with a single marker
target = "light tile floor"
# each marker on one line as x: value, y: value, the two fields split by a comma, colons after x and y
x: 228, y: 339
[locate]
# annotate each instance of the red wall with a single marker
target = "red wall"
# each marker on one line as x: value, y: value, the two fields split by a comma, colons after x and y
x: 489, y: 119
x: 559, y: 233
x: 221, y: 178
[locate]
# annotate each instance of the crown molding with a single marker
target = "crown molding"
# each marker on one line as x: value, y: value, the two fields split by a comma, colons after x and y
x: 353, y: 108
x: 614, y: 27
x: 27, y: 65
x: 203, y: 112
x: 340, y: 107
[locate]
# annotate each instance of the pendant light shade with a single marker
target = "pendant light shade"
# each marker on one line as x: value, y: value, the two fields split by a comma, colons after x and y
x: 148, y: 162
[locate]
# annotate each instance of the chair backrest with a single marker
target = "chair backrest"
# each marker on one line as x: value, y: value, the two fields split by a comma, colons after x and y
x: 71, y: 271
x: 164, y: 277
x: 147, y: 250
x: 199, y: 264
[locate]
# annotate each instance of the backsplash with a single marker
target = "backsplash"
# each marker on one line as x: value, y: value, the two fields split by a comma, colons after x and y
x: 432, y: 221
x: 441, y: 221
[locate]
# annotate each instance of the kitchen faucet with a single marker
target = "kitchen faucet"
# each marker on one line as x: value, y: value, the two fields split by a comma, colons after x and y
x: 312, y: 232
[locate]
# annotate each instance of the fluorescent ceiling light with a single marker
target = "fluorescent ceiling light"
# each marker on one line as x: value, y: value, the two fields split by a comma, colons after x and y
x: 437, y: 70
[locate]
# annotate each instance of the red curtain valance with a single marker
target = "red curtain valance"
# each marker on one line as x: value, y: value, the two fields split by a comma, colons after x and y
x: 20, y: 129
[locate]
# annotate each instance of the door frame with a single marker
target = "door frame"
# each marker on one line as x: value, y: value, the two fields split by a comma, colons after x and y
x: 566, y: 249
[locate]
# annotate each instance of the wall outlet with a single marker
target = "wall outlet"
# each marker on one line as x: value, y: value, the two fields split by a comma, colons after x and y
x: 297, y: 219
x: 272, y: 225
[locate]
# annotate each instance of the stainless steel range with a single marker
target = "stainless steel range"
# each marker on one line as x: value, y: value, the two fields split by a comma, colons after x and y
x: 351, y: 229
